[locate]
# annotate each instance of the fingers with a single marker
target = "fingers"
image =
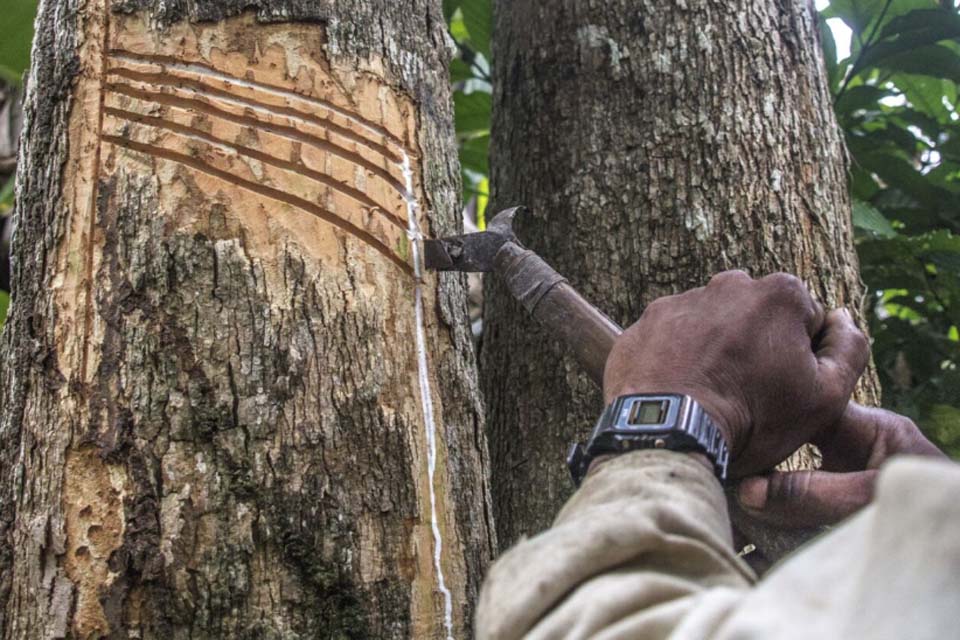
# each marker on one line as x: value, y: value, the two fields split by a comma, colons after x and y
x: 865, y: 437
x: 842, y: 355
x: 806, y: 498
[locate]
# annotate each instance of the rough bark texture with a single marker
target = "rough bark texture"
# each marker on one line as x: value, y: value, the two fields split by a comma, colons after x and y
x: 656, y: 143
x: 212, y: 420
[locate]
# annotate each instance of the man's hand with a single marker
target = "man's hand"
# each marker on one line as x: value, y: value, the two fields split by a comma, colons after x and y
x: 759, y: 355
x: 853, y: 450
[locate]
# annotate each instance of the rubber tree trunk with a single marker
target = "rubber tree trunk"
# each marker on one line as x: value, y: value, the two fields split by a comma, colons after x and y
x: 656, y: 144
x: 231, y: 407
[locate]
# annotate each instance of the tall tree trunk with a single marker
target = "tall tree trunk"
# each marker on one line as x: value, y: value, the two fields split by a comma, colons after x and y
x: 656, y: 145
x: 231, y: 406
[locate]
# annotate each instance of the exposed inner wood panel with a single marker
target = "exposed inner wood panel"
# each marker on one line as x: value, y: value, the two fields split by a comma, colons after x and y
x: 275, y: 128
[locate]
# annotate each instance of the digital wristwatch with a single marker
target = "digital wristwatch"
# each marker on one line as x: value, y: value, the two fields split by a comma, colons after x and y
x: 644, y: 421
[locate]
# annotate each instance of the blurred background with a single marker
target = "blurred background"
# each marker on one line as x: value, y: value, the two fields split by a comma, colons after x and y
x: 894, y: 68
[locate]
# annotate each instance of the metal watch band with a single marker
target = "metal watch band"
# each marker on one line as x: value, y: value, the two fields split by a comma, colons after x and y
x: 683, y: 425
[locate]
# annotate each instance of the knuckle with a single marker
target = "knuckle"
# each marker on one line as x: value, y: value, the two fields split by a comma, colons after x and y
x: 786, y: 282
x: 788, y: 289
x: 658, y: 305
x: 730, y: 276
x: 854, y: 348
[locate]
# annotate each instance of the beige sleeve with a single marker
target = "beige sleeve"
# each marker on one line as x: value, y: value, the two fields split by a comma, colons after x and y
x: 628, y: 556
x: 643, y: 550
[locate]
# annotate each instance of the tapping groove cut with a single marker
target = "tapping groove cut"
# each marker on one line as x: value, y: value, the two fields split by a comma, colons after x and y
x: 178, y: 64
x: 291, y: 133
x: 297, y: 168
x: 162, y: 79
x: 263, y: 190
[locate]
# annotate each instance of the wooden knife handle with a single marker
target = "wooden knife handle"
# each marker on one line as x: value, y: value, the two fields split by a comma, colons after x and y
x: 557, y: 306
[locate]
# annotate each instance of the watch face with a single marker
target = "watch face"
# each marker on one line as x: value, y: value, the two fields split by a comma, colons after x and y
x: 647, y: 413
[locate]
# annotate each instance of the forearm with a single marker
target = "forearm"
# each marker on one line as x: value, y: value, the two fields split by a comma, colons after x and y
x: 633, y: 547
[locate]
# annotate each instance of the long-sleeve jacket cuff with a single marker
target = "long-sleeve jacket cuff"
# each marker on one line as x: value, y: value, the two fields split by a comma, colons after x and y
x: 658, y: 515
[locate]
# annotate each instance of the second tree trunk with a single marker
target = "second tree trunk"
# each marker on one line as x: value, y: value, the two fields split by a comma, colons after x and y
x: 656, y: 145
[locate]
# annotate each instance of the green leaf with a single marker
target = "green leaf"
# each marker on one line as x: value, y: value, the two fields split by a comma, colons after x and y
x: 943, y: 424
x: 863, y: 96
x: 923, y: 20
x: 18, y: 18
x: 460, y: 71
x: 4, y: 306
x: 866, y: 217
x: 478, y: 19
x: 898, y: 172
x: 951, y: 148
x: 925, y: 94
x: 449, y: 7
x: 942, y: 241
x: 862, y: 184
x: 471, y: 112
x: 473, y: 155
x: 935, y: 60
x: 457, y: 28
x: 483, y: 197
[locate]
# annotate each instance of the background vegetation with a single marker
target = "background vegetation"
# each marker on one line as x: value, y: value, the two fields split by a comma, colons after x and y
x: 895, y: 96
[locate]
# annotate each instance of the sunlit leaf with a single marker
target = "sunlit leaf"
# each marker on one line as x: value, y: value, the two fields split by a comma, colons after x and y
x: 457, y: 27
x: 483, y: 196
x: 869, y: 219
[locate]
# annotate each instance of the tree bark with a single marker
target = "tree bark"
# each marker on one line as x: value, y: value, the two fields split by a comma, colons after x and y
x: 231, y: 407
x: 656, y: 144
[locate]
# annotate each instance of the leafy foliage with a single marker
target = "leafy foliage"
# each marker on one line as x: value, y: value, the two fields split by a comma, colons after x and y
x: 16, y: 38
x: 471, y: 23
x: 895, y: 97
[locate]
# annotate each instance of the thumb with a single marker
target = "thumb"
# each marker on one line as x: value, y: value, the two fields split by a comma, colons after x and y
x: 806, y: 498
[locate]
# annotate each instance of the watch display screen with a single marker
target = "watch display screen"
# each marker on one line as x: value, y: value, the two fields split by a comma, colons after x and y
x: 649, y: 412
